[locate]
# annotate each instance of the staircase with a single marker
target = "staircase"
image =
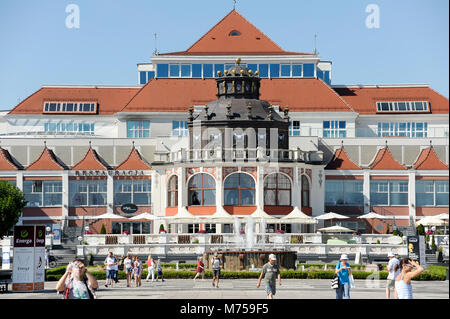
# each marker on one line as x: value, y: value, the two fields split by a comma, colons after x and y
x: 431, y: 259
x: 67, y: 251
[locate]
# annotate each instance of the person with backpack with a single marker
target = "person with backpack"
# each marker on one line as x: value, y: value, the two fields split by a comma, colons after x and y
x: 159, y: 272
x: 344, y: 272
x: 394, y: 270
x: 77, y: 282
x: 151, y: 268
x: 216, y: 262
x: 403, y: 284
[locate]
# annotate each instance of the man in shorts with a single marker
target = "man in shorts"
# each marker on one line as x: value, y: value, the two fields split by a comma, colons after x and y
x: 110, y: 263
x: 394, y: 270
x: 270, y: 272
x: 216, y: 262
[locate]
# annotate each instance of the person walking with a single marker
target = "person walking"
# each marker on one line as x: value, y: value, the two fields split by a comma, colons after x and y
x: 200, y: 268
x: 344, y: 272
x: 151, y: 268
x: 403, y: 284
x: 116, y: 270
x: 110, y: 262
x: 77, y: 282
x: 47, y: 258
x: 128, y: 267
x: 137, y: 272
x: 270, y: 272
x: 394, y: 269
x: 216, y: 263
x: 159, y: 272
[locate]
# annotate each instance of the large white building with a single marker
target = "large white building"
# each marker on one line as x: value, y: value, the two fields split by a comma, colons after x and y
x: 81, y: 151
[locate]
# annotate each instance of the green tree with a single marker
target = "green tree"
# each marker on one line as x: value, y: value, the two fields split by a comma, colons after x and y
x: 161, y: 227
x: 103, y: 230
x: 433, y: 243
x: 420, y: 230
x: 387, y: 228
x: 12, y: 202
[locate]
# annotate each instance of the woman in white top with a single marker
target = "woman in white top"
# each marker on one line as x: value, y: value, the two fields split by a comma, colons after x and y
x: 128, y: 266
x: 151, y: 268
x: 403, y: 284
x: 394, y: 269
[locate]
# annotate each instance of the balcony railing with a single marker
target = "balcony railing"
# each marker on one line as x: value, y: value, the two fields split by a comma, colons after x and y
x: 260, y: 154
x: 373, y: 133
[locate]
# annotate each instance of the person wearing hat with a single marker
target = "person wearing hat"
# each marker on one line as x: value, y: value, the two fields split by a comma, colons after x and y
x: 270, y: 271
x: 394, y: 270
x: 344, y: 272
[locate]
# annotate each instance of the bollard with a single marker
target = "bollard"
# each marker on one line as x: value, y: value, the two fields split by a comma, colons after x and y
x: 177, y: 265
x: 303, y: 267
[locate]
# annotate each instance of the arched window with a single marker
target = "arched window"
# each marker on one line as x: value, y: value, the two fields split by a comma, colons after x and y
x: 202, y: 190
x: 172, y: 192
x: 277, y: 190
x: 239, y: 190
x: 234, y: 33
x: 305, y: 192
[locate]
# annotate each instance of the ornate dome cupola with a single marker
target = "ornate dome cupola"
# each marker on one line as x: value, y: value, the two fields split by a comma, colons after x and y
x: 238, y: 108
x: 238, y: 82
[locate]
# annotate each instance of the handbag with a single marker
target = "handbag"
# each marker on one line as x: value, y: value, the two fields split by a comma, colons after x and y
x: 352, y: 282
x: 335, y: 282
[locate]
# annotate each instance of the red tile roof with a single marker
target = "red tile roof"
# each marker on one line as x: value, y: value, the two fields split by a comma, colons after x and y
x: 428, y: 160
x: 385, y: 160
x: 6, y: 161
x: 177, y: 95
x: 364, y: 99
x: 251, y: 41
x: 134, y: 161
x: 91, y: 161
x: 47, y: 161
x: 341, y: 160
x: 110, y: 100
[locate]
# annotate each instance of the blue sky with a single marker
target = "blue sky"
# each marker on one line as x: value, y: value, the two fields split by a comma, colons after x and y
x: 36, y: 48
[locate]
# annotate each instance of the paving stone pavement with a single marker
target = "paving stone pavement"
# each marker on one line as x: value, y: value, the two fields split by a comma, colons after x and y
x: 242, y: 289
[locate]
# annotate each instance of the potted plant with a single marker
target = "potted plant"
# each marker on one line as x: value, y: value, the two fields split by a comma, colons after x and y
x: 279, y: 231
x: 91, y: 259
x: 126, y: 232
x: 439, y: 254
x: 202, y: 231
x: 433, y: 243
x: 103, y: 230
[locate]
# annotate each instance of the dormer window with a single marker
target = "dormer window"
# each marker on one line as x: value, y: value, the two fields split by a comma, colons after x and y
x: 234, y: 33
x: 70, y: 107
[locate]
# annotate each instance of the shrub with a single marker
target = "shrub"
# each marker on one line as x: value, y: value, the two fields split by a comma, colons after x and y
x: 387, y: 228
x: 433, y: 243
x: 103, y: 230
x: 420, y: 230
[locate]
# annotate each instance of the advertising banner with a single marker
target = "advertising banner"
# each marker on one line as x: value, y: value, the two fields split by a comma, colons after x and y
x: 29, y: 258
x: 56, y: 230
x: 39, y: 258
x: 6, y: 257
x: 416, y: 249
x: 23, y: 265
